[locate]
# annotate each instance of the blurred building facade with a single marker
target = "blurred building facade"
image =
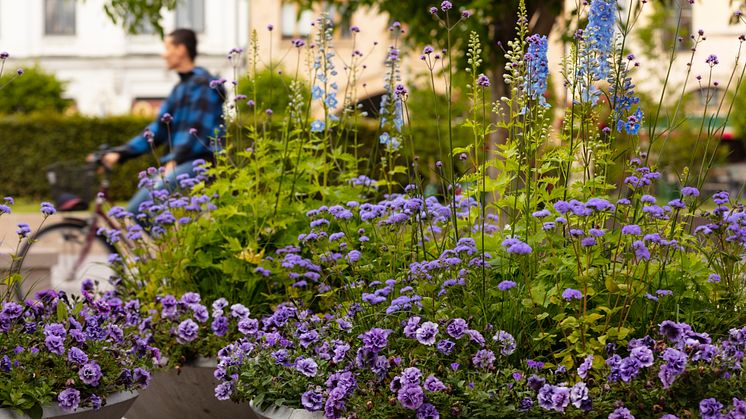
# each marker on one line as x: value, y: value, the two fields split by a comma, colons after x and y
x: 107, y: 70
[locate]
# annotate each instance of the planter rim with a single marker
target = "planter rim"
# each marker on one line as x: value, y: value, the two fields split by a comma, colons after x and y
x: 278, y: 412
x: 52, y: 409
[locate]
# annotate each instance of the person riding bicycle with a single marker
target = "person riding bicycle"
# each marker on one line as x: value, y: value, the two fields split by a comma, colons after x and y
x: 189, y: 123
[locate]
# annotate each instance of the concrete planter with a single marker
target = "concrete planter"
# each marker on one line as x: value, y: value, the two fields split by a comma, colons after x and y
x: 188, y: 394
x: 285, y: 413
x: 116, y: 406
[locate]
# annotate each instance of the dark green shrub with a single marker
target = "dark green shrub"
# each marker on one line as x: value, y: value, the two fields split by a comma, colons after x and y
x: 34, y: 91
x: 37, y: 141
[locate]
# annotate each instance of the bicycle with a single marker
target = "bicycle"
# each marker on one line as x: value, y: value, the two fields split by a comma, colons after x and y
x: 71, y: 248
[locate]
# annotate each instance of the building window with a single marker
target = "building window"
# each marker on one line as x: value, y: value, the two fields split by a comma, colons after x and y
x: 59, y: 17
x: 295, y: 24
x: 144, y: 27
x: 678, y: 9
x: 191, y: 14
x: 342, y: 21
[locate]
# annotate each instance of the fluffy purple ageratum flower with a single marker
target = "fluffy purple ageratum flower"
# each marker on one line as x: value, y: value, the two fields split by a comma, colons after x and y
x: 506, y: 285
x: 632, y: 229
x: 516, y: 246
x: 689, y: 191
x: 571, y: 294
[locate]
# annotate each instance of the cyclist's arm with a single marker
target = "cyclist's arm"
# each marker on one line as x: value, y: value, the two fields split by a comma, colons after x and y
x: 205, y: 115
x: 157, y: 130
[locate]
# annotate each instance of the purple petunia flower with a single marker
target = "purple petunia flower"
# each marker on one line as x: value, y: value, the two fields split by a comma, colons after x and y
x: 11, y: 311
x: 506, y: 342
x: 90, y: 373
x: 579, y: 395
x: 446, y: 346
x: 710, y: 408
x: 585, y: 366
x: 223, y: 391
x: 433, y: 384
x: 483, y: 358
x: 621, y: 413
x: 411, y: 397
x: 69, y: 399
x: 375, y: 339
x: 306, y: 366
x: 411, y: 377
x: 427, y: 411
x: 187, y: 331
x: 219, y: 325
x: 55, y: 344
x: 457, y: 328
x: 426, y: 333
x: 312, y: 401
x: 77, y: 356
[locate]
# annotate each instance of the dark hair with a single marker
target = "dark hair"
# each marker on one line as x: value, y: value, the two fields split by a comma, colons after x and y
x: 185, y: 37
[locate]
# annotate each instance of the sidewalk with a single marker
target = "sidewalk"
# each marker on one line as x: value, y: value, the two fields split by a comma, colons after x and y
x: 9, y: 224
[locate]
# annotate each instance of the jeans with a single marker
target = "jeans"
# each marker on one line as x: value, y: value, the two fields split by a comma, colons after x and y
x: 143, y: 194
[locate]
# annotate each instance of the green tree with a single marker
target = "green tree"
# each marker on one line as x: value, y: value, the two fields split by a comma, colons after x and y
x: 494, y: 21
x: 34, y: 91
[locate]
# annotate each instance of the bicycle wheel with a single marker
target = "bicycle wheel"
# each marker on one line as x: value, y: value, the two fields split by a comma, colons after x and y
x: 49, y: 259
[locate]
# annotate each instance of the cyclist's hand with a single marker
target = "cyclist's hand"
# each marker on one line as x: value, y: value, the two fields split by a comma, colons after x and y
x: 170, y: 166
x: 110, y: 159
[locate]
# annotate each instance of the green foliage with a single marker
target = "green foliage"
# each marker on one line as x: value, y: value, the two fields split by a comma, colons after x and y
x: 134, y: 14
x: 269, y: 89
x: 42, y: 139
x: 34, y: 91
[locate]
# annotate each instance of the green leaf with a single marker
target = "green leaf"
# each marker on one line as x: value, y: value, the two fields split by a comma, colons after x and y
x: 61, y: 312
x: 611, y: 284
x: 35, y: 412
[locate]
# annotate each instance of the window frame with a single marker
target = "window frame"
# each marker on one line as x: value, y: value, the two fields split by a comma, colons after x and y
x: 48, y: 29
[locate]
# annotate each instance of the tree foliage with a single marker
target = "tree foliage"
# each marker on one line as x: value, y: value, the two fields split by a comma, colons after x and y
x: 133, y: 15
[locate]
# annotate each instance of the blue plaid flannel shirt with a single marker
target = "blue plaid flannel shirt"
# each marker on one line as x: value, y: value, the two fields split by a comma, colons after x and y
x: 193, y: 103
